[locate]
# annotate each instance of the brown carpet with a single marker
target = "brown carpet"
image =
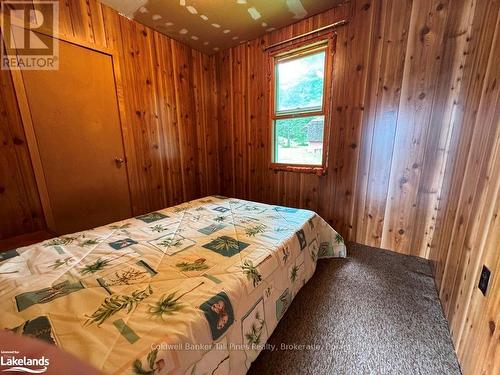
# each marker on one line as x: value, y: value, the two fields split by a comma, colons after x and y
x: 376, y: 312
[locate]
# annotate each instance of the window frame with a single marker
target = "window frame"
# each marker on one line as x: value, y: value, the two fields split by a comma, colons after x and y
x: 304, y: 47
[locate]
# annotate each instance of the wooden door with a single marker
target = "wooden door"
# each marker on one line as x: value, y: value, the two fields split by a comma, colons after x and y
x: 75, y: 117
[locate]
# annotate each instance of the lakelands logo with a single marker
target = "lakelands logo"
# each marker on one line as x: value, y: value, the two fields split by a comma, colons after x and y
x: 28, y: 30
x: 16, y: 363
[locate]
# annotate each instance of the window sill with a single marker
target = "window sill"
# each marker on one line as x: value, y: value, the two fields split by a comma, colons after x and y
x: 311, y: 169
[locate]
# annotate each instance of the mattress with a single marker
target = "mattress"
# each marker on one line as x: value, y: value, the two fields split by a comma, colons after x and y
x: 195, y: 288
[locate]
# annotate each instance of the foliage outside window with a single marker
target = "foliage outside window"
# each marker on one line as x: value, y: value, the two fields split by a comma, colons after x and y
x: 301, y: 101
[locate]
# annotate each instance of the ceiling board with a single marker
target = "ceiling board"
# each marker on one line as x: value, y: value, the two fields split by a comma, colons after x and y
x: 213, y: 25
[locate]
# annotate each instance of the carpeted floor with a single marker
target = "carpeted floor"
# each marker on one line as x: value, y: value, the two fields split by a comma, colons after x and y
x: 375, y: 312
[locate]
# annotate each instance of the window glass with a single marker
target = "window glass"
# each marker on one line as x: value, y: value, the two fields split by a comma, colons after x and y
x: 299, y: 140
x: 300, y: 82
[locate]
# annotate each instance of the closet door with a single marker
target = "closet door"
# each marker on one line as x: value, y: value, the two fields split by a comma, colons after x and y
x: 74, y: 111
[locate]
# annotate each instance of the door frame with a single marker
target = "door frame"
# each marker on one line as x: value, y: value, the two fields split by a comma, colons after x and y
x: 29, y: 130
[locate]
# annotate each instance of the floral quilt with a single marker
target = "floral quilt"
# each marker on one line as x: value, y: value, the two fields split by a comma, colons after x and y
x: 196, y: 288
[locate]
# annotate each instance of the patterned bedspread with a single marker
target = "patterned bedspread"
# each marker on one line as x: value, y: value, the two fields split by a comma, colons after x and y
x: 196, y: 288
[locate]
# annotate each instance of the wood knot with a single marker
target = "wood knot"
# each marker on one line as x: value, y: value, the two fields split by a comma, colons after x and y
x: 492, y: 327
x: 423, y: 32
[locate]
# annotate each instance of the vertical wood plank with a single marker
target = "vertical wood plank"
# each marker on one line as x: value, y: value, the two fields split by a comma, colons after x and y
x: 422, y: 65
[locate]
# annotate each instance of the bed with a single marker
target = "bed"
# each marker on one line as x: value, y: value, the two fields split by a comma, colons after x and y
x: 195, y: 288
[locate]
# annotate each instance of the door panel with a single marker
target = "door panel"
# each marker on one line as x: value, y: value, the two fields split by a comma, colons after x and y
x: 76, y: 121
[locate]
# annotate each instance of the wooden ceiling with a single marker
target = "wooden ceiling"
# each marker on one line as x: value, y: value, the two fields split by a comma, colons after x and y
x: 214, y: 25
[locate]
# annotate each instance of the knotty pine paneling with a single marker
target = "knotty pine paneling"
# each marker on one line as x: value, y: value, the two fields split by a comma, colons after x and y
x: 467, y: 233
x: 20, y: 207
x: 418, y: 87
x: 381, y: 119
x: 166, y: 93
x: 381, y: 182
x: 414, y: 146
x: 173, y: 134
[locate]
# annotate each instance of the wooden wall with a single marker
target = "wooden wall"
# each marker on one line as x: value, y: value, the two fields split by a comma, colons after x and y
x: 385, y: 71
x: 166, y: 91
x: 20, y: 208
x: 388, y: 142
x: 414, y: 163
x: 467, y: 232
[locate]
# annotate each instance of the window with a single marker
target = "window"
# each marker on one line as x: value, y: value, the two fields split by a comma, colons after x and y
x: 301, y: 102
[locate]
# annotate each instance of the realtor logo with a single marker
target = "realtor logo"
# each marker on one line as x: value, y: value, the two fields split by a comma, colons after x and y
x: 28, y: 30
x: 23, y: 364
